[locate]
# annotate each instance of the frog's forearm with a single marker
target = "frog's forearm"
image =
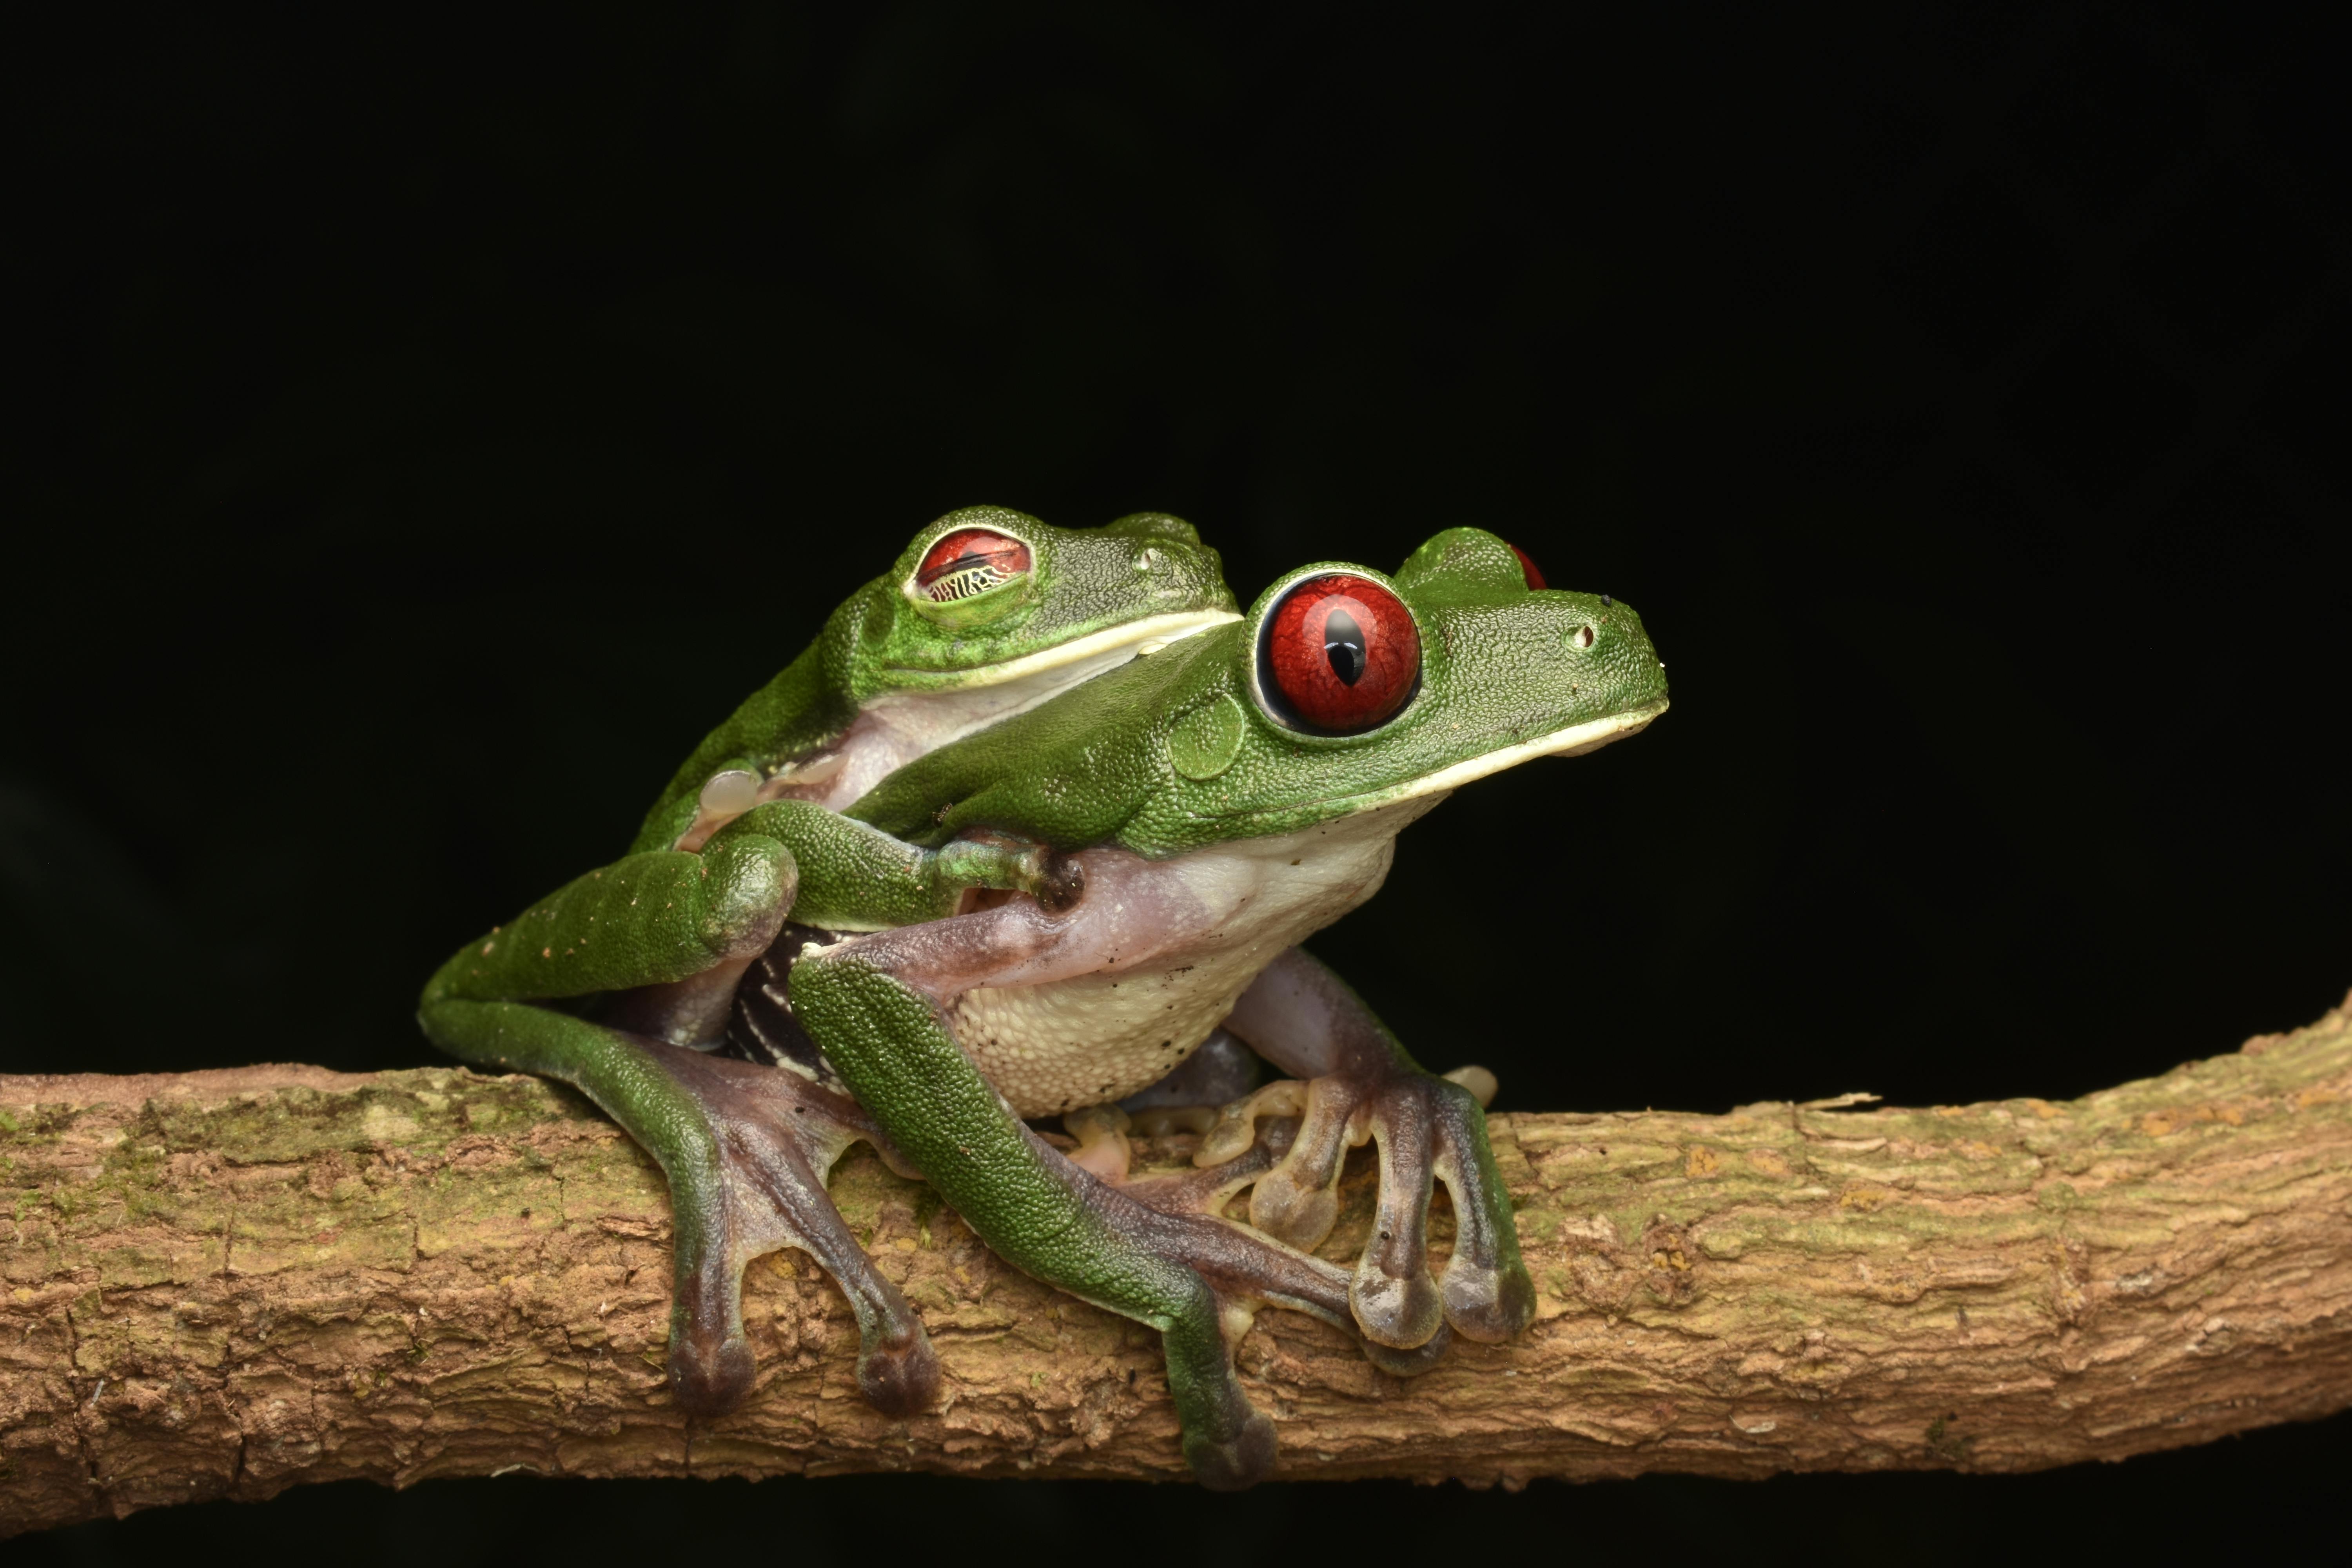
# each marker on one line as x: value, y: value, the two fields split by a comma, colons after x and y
x: 665, y: 915
x: 856, y: 878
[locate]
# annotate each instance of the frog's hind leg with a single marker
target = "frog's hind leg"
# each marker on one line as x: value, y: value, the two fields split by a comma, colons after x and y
x: 881, y: 1004
x: 746, y: 1150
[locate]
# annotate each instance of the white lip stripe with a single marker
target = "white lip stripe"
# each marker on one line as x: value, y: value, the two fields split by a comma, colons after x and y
x: 1576, y: 738
x: 1163, y: 629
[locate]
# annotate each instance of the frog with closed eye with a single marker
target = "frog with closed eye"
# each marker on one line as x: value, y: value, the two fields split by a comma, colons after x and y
x: 623, y: 982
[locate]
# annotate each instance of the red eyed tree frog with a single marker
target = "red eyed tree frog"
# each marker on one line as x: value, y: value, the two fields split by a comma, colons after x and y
x: 985, y: 615
x: 1202, y: 810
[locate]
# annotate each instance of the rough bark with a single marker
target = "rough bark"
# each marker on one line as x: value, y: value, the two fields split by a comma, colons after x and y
x: 222, y: 1283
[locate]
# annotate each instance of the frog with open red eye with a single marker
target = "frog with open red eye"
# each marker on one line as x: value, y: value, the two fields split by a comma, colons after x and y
x: 1210, y: 806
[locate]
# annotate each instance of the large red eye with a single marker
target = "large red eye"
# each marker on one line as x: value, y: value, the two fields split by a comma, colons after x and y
x: 1339, y: 654
x: 969, y: 561
x: 1527, y: 567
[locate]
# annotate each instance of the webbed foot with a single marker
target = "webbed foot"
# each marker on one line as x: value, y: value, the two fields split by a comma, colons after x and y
x: 746, y: 1149
x: 1360, y: 1087
x: 774, y: 1135
x: 1197, y: 1199
x: 1180, y: 1217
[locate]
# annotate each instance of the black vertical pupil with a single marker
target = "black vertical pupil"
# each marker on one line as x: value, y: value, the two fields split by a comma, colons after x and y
x: 1343, y: 645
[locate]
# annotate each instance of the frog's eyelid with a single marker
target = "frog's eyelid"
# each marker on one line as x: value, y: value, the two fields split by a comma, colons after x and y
x: 981, y: 559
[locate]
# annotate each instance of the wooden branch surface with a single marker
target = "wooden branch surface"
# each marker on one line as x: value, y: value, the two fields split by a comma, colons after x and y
x: 221, y: 1284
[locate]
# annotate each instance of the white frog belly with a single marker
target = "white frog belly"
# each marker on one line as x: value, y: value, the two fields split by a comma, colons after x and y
x: 1101, y: 1036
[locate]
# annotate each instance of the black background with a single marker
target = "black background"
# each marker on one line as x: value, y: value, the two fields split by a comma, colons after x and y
x: 425, y: 430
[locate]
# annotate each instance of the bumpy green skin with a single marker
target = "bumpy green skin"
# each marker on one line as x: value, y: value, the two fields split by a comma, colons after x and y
x: 664, y: 916
x: 587, y: 937
x: 883, y: 640
x: 661, y: 916
x: 1098, y: 766
x: 1111, y: 764
x: 944, y: 1114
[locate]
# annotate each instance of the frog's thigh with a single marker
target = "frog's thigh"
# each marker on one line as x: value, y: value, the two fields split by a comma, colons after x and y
x: 745, y: 1150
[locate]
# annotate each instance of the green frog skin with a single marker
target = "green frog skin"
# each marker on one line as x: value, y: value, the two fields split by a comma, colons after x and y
x: 987, y: 614
x: 1205, y: 808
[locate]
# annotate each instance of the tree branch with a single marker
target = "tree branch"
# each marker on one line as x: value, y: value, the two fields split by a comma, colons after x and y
x: 221, y: 1284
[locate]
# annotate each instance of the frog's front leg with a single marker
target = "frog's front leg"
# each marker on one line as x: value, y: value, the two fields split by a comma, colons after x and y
x: 1361, y: 1085
x: 600, y: 985
x: 745, y: 1150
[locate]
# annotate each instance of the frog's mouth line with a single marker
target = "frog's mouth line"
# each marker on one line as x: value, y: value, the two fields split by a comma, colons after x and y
x: 1146, y: 635
x: 1573, y: 741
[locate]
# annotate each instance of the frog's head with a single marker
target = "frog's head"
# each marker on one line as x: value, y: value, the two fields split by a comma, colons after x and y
x: 987, y: 595
x: 1351, y: 691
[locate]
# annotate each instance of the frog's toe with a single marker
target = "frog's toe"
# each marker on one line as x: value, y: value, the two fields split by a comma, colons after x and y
x: 1206, y: 1192
x: 1395, y: 1301
x: 1298, y: 1200
x: 1488, y: 1295
x: 899, y: 1376
x: 1489, y: 1304
x: 710, y: 1374
x: 1410, y: 1362
x: 1402, y: 1311
x: 1299, y: 1213
x: 1232, y: 1464
x: 1103, y: 1147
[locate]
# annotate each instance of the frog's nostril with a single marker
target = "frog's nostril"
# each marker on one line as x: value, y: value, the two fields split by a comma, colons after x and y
x: 1149, y: 559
